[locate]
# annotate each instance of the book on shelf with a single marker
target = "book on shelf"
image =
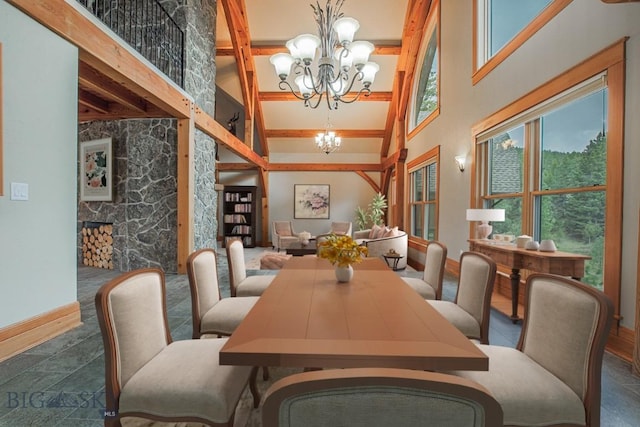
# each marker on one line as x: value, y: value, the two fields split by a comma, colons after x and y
x: 234, y: 219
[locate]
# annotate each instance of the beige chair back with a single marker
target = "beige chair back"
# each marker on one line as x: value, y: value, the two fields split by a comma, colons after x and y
x: 202, y: 269
x: 434, y: 263
x: 378, y: 397
x: 132, y: 317
x: 340, y: 227
x: 237, y: 267
x: 475, y: 285
x: 565, y: 330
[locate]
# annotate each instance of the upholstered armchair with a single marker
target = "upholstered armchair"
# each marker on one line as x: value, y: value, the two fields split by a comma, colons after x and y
x: 381, y: 243
x: 147, y: 375
x: 374, y: 397
x: 553, y: 376
x: 340, y: 227
x: 282, y: 234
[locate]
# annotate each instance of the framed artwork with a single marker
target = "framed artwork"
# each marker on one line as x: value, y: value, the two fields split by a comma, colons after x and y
x: 311, y: 201
x: 96, y: 172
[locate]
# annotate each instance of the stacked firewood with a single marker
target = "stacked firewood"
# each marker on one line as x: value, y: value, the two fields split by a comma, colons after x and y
x: 97, y: 246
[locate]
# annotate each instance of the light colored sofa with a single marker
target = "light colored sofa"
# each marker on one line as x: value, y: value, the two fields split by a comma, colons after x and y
x: 382, y: 245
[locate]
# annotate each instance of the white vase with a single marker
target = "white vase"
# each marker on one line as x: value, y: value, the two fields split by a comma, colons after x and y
x: 344, y: 274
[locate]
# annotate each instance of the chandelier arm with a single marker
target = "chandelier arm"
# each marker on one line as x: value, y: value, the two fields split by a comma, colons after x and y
x: 364, y: 90
x: 314, y: 106
x: 315, y: 87
x: 283, y: 85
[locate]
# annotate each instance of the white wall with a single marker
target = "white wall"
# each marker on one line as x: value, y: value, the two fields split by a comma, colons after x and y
x: 578, y: 32
x: 38, y: 236
x: 347, y: 191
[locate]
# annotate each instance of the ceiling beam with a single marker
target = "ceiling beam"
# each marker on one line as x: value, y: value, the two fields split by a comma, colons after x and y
x: 324, y: 167
x: 268, y: 50
x: 288, y: 96
x: 92, y: 80
x: 310, y: 133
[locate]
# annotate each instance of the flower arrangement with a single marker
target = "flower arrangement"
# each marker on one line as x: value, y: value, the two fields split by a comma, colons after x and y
x: 341, y: 250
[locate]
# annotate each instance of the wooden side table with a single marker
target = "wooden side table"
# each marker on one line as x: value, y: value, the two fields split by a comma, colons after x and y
x: 561, y: 263
x: 392, y: 260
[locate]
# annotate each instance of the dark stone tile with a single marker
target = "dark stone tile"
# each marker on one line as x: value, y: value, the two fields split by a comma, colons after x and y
x: 17, y: 364
x: 65, y: 341
x: 24, y: 387
x: 40, y: 409
x: 72, y: 358
x: 88, y: 379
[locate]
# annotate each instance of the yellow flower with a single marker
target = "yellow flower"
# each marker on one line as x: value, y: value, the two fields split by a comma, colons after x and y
x: 341, y: 250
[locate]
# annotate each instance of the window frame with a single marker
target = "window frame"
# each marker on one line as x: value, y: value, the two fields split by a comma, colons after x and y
x: 431, y: 157
x: 611, y: 61
x: 480, y: 36
x: 432, y: 21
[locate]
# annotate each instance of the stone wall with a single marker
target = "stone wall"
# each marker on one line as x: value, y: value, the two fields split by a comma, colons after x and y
x: 144, y: 208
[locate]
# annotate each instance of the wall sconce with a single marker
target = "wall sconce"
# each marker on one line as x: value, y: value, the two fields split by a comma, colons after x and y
x: 460, y: 161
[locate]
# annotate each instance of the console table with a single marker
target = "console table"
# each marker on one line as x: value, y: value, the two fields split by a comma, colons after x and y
x: 561, y: 263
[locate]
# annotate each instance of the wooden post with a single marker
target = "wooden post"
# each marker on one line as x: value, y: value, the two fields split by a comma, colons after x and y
x: 186, y: 189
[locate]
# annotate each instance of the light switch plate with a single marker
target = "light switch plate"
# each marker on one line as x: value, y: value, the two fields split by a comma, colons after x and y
x: 19, y: 191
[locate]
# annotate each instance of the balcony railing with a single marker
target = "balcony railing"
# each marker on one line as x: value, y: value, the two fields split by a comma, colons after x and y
x: 148, y: 28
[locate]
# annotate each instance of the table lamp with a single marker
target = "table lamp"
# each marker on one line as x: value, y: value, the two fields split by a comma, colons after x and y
x: 484, y: 229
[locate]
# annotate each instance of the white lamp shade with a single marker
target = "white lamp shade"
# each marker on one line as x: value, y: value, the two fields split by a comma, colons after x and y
x: 369, y: 72
x: 361, y: 51
x: 304, y: 85
x: 346, y: 28
x: 293, y: 50
x: 339, y: 87
x: 344, y: 58
x: 485, y: 215
x: 307, y: 44
x: 282, y: 63
x: 338, y: 141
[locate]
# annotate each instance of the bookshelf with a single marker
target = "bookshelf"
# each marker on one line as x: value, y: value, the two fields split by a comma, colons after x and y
x: 239, y: 214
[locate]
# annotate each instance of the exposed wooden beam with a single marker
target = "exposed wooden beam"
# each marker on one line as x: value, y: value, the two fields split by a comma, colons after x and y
x: 324, y: 167
x: 94, y: 81
x: 370, y: 180
x: 186, y: 189
x: 288, y: 96
x: 228, y: 167
x: 93, y: 102
x: 268, y: 50
x: 106, y: 55
x: 310, y: 133
x: 215, y: 130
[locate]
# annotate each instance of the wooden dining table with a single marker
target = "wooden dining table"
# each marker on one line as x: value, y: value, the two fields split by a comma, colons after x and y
x: 307, y: 319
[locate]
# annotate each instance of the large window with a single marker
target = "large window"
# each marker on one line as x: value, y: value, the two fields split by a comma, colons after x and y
x: 563, y: 179
x: 425, y: 104
x: 423, y: 197
x: 562, y: 197
x: 501, y: 26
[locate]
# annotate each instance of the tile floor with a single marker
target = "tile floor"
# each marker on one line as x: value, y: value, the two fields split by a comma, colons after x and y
x: 60, y: 382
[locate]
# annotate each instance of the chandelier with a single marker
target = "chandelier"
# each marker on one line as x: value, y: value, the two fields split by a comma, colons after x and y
x: 327, y: 141
x: 341, y: 64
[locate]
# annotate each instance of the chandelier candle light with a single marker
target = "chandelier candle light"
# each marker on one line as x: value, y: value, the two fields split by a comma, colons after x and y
x: 339, y: 56
x: 484, y: 229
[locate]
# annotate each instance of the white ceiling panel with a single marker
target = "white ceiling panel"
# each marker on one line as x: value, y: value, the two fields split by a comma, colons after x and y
x: 294, y: 115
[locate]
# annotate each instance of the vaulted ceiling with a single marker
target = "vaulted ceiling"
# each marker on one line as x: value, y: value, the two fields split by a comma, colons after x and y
x: 250, y: 31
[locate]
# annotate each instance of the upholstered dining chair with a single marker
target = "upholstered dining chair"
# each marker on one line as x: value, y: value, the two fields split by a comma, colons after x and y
x: 371, y: 397
x: 470, y: 311
x: 430, y: 285
x: 553, y: 376
x: 240, y: 284
x: 211, y: 314
x: 283, y: 235
x: 147, y: 375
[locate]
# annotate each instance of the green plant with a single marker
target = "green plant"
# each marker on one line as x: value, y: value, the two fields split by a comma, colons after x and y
x: 374, y: 214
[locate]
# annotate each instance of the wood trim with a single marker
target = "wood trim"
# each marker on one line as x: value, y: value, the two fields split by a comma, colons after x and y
x: 21, y: 336
x: 525, y: 34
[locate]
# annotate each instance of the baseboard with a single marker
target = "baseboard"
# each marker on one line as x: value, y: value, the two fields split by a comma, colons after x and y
x: 621, y: 342
x: 21, y: 336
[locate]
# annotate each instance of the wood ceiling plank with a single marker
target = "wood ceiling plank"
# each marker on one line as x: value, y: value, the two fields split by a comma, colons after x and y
x: 92, y: 101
